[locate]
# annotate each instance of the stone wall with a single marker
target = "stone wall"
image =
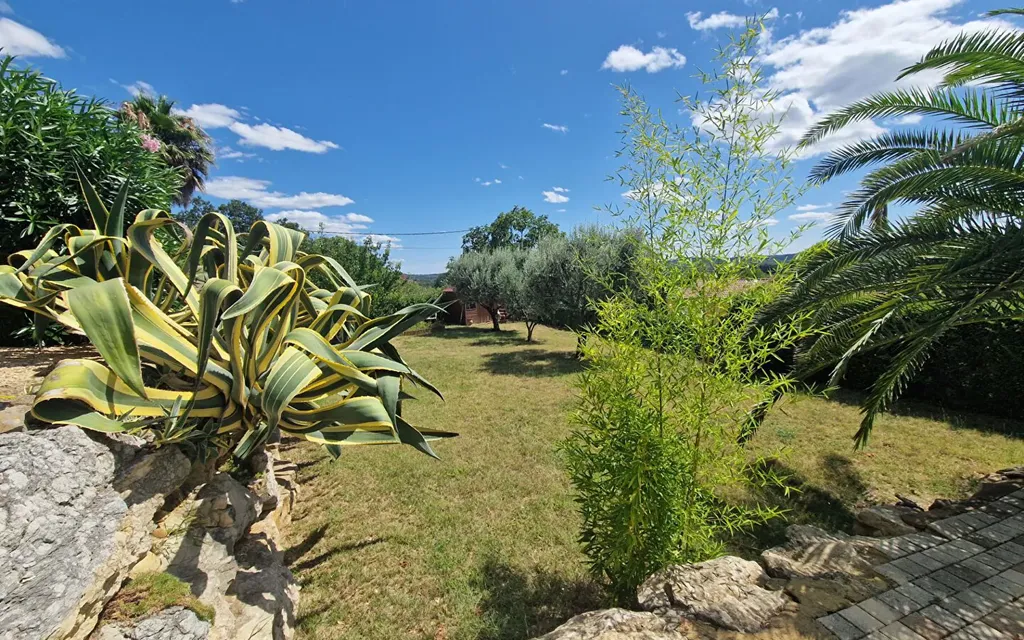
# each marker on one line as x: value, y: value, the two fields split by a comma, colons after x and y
x: 80, y: 514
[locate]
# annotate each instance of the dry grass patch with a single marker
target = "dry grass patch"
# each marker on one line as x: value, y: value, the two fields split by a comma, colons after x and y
x: 390, y: 544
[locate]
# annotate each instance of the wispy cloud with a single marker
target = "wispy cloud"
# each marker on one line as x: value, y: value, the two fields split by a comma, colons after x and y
x: 217, y: 116
x: 227, y: 153
x: 561, y: 128
x: 554, y: 197
x: 629, y: 58
x: 18, y: 40
x: 257, y: 192
x: 722, y: 20
x: 812, y: 216
x: 560, y: 189
x: 563, y: 72
x: 6, y: 8
x: 815, y: 207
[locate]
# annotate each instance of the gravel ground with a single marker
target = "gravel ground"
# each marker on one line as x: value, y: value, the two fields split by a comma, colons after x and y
x: 21, y: 369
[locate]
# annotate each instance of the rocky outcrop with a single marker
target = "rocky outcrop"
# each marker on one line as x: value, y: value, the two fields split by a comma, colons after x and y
x: 726, y: 592
x: 616, y: 624
x: 175, y: 623
x: 79, y: 510
x: 214, y: 543
x: 813, y: 553
x: 884, y: 521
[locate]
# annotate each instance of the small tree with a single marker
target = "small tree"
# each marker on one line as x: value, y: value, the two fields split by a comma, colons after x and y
x: 675, y: 363
x: 490, y: 279
x: 517, y: 228
x: 565, y: 276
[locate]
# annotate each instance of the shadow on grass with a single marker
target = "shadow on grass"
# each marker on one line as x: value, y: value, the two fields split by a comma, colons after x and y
x: 523, y: 604
x: 827, y: 506
x: 485, y: 337
x: 957, y: 419
x: 317, y: 560
x: 537, y: 363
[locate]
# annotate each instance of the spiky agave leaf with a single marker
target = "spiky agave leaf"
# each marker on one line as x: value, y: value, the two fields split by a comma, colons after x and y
x: 251, y: 343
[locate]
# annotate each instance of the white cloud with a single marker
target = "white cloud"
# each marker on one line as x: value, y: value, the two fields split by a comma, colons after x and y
x: 559, y: 210
x: 812, y: 216
x: 561, y: 128
x: 227, y: 153
x: 211, y: 116
x: 140, y: 88
x: 768, y: 222
x: 722, y: 19
x: 629, y: 58
x: 395, y: 243
x: 489, y: 182
x: 815, y: 207
x: 520, y: 177
x: 563, y: 72
x: 554, y: 197
x: 661, y: 35
x: 560, y: 189
x: 217, y: 116
x: 909, y: 119
x: 502, y: 165
x: 278, y: 138
x: 350, y: 225
x: 819, y: 70
x: 18, y: 40
x: 256, y: 192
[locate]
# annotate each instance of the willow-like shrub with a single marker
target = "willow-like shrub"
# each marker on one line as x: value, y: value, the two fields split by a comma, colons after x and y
x: 675, y: 364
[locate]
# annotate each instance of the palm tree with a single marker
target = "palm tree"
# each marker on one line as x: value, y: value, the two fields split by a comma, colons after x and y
x: 895, y: 288
x: 183, y: 142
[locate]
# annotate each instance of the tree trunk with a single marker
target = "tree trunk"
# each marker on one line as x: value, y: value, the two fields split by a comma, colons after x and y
x: 495, y: 326
x: 530, y: 326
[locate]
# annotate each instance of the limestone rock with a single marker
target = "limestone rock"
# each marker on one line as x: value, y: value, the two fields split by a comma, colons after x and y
x: 13, y: 417
x: 176, y: 623
x: 72, y: 507
x: 616, y: 624
x: 884, y: 521
x: 242, y: 577
x: 999, y: 484
x: 725, y: 592
x: 812, y: 553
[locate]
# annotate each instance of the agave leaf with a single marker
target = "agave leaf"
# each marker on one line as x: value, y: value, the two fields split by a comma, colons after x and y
x: 104, y: 313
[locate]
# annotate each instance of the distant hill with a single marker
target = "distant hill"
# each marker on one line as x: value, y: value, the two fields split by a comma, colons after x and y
x: 426, y: 279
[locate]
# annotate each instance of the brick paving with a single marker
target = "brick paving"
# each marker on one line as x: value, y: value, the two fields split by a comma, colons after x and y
x: 963, y: 579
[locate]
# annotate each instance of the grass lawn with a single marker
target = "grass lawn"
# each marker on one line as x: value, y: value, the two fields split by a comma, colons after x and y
x: 388, y: 543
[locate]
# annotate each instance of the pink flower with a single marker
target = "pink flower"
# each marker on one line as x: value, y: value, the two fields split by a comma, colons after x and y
x: 150, y: 144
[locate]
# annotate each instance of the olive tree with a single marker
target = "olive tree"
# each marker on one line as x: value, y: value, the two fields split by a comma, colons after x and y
x: 489, y: 279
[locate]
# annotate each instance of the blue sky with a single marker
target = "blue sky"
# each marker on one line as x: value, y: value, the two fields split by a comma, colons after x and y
x: 398, y: 117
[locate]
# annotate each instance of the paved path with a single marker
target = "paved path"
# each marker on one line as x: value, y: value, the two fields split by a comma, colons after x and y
x: 964, y: 581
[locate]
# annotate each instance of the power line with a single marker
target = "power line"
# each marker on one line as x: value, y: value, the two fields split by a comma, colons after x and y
x: 378, y: 233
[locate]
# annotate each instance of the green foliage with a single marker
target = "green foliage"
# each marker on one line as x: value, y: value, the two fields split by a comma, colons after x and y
x: 490, y: 279
x: 675, y: 363
x: 566, y: 276
x: 44, y: 133
x: 241, y: 214
x: 897, y: 289
x: 368, y: 262
x: 241, y: 341
x: 407, y: 293
x: 517, y: 228
x: 183, y: 143
x: 150, y: 593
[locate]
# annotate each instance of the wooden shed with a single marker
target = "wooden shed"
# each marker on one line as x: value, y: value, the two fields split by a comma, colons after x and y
x: 464, y: 313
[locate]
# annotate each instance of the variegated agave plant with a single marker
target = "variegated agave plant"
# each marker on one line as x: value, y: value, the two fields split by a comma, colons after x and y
x: 238, y: 339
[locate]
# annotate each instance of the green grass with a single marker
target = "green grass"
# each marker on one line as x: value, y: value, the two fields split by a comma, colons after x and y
x: 151, y: 593
x: 388, y: 543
